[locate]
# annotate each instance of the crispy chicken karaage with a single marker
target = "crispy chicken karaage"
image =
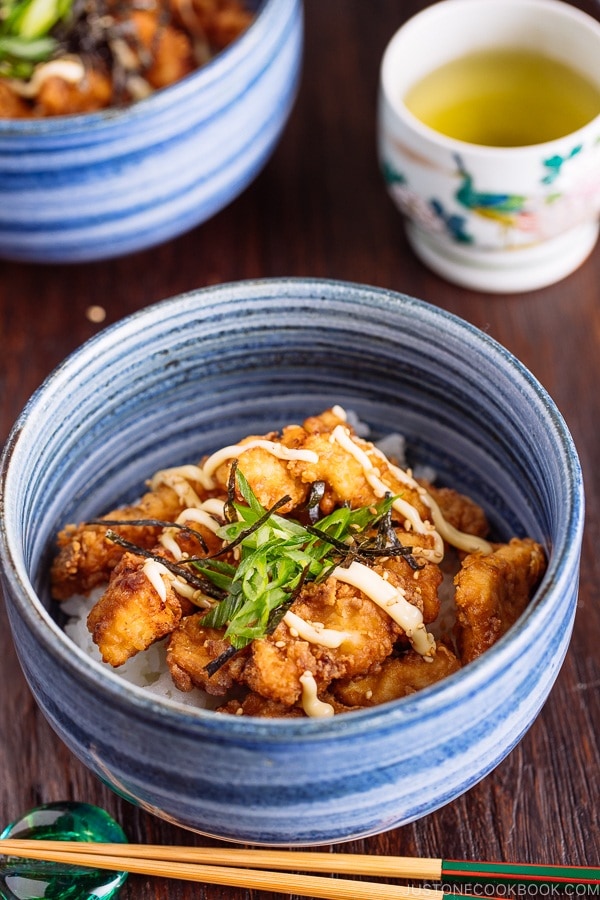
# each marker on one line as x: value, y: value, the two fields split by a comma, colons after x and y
x: 80, y: 56
x: 298, y: 573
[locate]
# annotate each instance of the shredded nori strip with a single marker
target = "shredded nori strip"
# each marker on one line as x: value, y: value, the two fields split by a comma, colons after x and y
x: 317, y: 492
x: 250, y: 530
x: 201, y: 584
x: 367, y: 549
x: 241, y: 536
x: 389, y: 540
x: 151, y: 523
x: 229, y: 508
x: 90, y: 32
x: 328, y: 539
x: 385, y: 531
x: 215, y: 664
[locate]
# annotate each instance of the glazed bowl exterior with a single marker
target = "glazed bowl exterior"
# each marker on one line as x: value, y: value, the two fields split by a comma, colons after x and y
x: 197, y: 372
x: 84, y: 187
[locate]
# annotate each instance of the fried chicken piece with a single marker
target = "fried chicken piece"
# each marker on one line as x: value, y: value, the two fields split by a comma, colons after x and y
x: 343, y: 475
x: 345, y: 478
x: 459, y: 511
x: 130, y: 616
x: 277, y: 662
x: 274, y: 672
x: 132, y: 613
x: 492, y: 591
x: 169, y: 50
x: 421, y: 585
x: 255, y: 705
x: 86, y: 558
x: 272, y: 478
x: 191, y: 647
x: 269, y: 477
x: 11, y: 105
x: 323, y: 423
x: 219, y: 22
x: 227, y: 25
x: 396, y: 677
x: 58, y: 97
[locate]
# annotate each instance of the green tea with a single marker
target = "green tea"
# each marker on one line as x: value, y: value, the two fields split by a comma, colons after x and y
x: 504, y: 98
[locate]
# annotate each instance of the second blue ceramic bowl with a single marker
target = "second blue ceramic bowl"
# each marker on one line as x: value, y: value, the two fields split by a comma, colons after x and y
x: 85, y: 187
x: 195, y: 373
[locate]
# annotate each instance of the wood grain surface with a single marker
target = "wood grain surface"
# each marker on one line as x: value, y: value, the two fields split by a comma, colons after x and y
x: 319, y: 208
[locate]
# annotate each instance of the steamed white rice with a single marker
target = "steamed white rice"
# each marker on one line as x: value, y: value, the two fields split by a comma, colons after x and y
x: 147, y: 669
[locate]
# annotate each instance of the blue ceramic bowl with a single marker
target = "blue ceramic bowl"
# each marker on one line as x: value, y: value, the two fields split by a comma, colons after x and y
x: 84, y: 187
x: 195, y: 373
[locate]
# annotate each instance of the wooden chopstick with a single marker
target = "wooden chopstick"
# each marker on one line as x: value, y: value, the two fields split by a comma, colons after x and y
x: 290, y: 860
x: 202, y: 862
x: 277, y: 882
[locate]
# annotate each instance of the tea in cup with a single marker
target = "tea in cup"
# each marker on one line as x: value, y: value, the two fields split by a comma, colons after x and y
x: 489, y: 139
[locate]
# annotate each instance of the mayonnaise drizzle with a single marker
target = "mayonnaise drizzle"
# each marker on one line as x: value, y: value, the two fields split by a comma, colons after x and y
x: 199, y: 516
x: 167, y: 539
x: 460, y: 539
x: 69, y: 69
x: 315, y: 633
x: 471, y: 543
x: 214, y: 506
x: 179, y: 478
x: 440, y: 529
x: 203, y: 514
x: 406, y: 510
x: 155, y: 572
x: 279, y: 450
x: 311, y: 704
x: 391, y: 600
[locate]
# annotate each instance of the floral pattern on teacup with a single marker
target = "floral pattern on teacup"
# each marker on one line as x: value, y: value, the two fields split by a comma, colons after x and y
x: 430, y: 214
x: 553, y: 165
x: 521, y: 219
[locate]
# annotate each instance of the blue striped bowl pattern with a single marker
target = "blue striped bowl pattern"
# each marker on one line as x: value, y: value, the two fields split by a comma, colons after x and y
x: 194, y: 373
x: 85, y: 187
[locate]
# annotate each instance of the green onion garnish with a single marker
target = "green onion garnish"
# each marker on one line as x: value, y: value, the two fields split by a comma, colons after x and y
x: 276, y: 556
x: 25, y: 33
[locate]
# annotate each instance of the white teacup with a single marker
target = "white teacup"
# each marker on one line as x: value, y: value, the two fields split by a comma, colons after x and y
x: 492, y: 218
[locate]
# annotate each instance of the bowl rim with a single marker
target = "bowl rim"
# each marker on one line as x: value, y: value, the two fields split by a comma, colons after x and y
x: 203, y: 77
x: 563, y: 564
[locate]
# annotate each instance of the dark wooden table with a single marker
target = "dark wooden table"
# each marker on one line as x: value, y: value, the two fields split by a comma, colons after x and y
x: 319, y: 208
